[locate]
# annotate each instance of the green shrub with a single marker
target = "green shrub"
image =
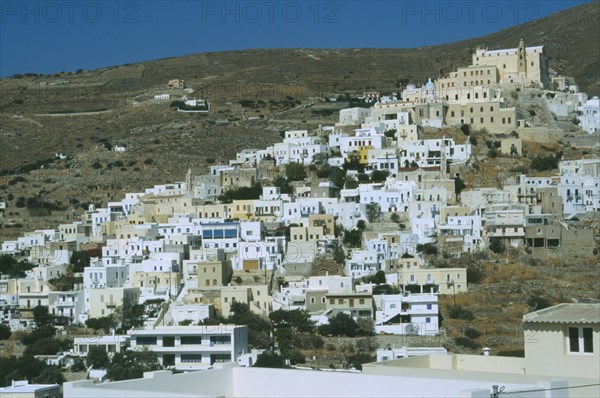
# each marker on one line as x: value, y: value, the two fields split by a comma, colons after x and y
x: 471, y: 333
x: 459, y: 312
x: 466, y: 342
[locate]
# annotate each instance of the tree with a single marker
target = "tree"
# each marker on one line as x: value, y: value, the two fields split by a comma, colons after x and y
x: 129, y: 315
x: 13, y: 268
x: 536, y: 303
x: 353, y: 238
x: 292, y: 330
x: 333, y: 174
x: 390, y: 133
x: 294, y: 356
x: 373, y: 212
x: 5, y: 332
x: 104, y: 323
x: 295, y: 172
x: 40, y: 332
x: 459, y: 312
x: 41, y: 316
x: 395, y: 218
x: 459, y: 185
x: 297, y: 320
x: 340, y: 325
x: 270, y: 360
x: 354, y: 164
x: 427, y: 248
x: 357, y: 360
x: 543, y: 163
x: 361, y: 225
x: 259, y: 328
x: 48, y: 346
x: 496, y: 245
x: 366, y: 327
x: 338, y: 255
x: 50, y: 375
x: 242, y: 193
x: 466, y: 129
x: 132, y: 365
x: 19, y: 369
x: 79, y: 260
x: 379, y: 175
x: 379, y: 277
x: 78, y: 365
x: 283, y: 184
x: 97, y: 357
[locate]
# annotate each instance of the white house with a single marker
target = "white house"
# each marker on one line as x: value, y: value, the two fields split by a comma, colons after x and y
x: 195, y: 313
x: 590, y: 115
x: 415, y: 314
x: 353, y: 116
x: 192, y: 347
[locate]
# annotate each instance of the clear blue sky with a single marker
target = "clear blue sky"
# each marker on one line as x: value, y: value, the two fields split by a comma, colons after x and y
x: 65, y: 35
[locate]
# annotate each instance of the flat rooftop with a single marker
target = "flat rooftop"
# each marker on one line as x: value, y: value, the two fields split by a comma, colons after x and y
x: 566, y: 313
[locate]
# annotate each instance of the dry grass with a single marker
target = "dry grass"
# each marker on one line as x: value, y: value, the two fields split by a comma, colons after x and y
x: 499, y: 302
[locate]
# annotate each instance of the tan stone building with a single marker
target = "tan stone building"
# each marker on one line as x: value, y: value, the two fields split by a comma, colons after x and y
x: 211, y: 273
x: 563, y: 340
x: 359, y: 305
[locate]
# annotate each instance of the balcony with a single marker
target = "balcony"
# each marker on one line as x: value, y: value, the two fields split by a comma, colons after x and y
x: 188, y: 348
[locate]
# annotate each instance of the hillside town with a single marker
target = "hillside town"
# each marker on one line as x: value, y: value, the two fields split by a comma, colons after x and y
x: 330, y: 233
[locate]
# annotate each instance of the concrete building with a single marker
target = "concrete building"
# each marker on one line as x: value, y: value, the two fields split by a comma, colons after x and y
x: 413, y: 314
x: 380, y: 381
x: 22, y: 389
x: 193, y: 347
x: 521, y: 65
x: 357, y: 305
x: 590, y: 115
x: 111, y: 344
x: 386, y: 354
x: 563, y: 340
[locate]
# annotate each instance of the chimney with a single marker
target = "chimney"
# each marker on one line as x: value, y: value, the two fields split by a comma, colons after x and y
x: 486, y: 352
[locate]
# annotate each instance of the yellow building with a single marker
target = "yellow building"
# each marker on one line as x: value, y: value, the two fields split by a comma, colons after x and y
x: 491, y: 115
x: 242, y: 209
x: 103, y: 302
x: 521, y: 65
x: 211, y: 273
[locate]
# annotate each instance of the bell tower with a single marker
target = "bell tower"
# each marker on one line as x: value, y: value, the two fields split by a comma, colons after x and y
x: 522, y: 61
x: 189, y: 180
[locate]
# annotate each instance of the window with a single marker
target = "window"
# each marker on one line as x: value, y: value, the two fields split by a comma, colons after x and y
x: 580, y: 340
x: 220, y: 358
x: 220, y: 340
x: 146, y: 340
x: 191, y: 358
x: 429, y: 306
x: 191, y: 340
